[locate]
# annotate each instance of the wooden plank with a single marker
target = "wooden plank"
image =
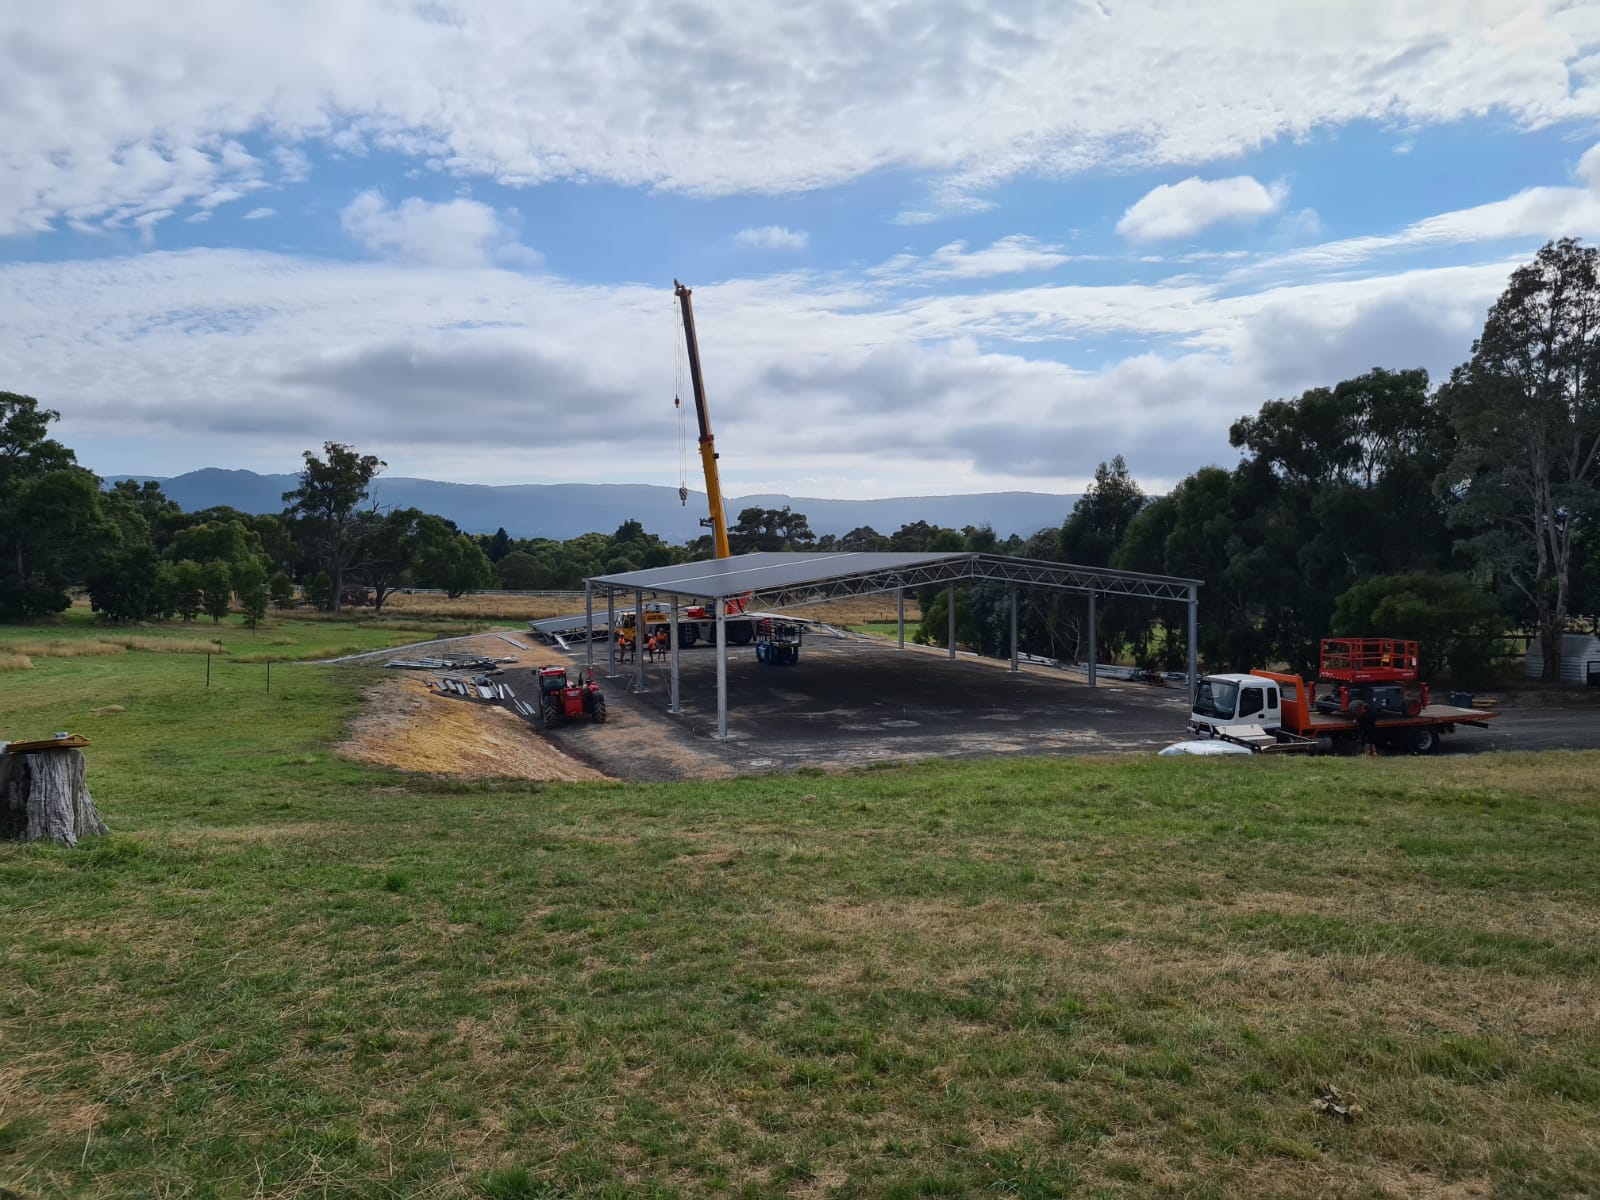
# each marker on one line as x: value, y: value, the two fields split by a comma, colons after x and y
x: 74, y: 741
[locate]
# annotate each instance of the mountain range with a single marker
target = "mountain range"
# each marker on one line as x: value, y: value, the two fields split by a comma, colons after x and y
x: 565, y: 510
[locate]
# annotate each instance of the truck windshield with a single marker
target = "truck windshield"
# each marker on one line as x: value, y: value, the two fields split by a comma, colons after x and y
x: 1216, y: 698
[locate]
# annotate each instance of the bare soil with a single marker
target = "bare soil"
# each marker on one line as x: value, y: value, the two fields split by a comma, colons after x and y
x: 410, y: 726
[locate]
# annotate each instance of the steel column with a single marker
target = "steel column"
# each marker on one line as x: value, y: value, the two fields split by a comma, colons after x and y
x: 1094, y: 649
x: 1012, y: 592
x: 900, y: 595
x: 588, y: 624
x: 1194, y: 606
x: 950, y: 603
x: 638, y: 640
x: 722, y: 668
x: 611, y: 634
x: 672, y: 640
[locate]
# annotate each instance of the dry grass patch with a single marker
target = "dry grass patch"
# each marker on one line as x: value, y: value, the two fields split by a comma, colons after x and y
x: 859, y: 610
x: 15, y: 662
x: 482, y: 607
x: 168, y: 645
x: 85, y: 649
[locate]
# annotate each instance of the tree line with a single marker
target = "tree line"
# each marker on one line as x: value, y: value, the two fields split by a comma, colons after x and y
x: 1380, y: 504
x: 140, y: 557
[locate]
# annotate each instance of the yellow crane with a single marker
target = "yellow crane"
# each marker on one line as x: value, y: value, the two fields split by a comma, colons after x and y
x: 717, y: 522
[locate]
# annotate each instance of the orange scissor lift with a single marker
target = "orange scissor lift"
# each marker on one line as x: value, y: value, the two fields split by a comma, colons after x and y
x: 1362, y: 670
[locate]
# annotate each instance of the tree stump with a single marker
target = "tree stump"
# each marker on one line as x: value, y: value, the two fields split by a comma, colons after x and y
x: 44, y: 795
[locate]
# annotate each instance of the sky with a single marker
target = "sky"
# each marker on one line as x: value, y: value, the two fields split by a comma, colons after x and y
x: 935, y: 246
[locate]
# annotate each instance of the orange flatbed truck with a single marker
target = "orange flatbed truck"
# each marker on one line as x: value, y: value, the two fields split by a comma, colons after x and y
x: 1360, y: 695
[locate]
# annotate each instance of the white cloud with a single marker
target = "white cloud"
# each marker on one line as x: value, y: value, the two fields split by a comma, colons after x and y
x: 230, y: 191
x: 1300, y: 225
x: 146, y: 223
x: 455, y: 233
x: 529, y: 377
x: 1589, y: 168
x: 109, y: 106
x: 1180, y: 210
x: 773, y: 237
x: 1009, y: 256
x: 260, y: 214
x: 1537, y: 214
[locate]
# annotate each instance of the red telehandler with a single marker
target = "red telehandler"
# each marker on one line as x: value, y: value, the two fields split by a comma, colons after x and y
x: 561, y: 701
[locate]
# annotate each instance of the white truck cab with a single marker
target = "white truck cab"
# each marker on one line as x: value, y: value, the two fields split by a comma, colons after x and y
x: 1231, y: 701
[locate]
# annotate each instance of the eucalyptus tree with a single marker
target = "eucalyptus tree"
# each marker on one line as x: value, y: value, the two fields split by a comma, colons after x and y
x: 328, y: 503
x: 1525, y: 475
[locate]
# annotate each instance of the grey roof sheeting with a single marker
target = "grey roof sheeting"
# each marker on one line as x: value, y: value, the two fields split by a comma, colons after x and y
x: 780, y: 579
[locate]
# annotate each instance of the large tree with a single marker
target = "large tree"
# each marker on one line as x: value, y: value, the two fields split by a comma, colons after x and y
x: 769, y: 529
x: 328, y: 503
x: 1090, y: 537
x: 1455, y: 621
x: 390, y: 546
x: 1526, y: 410
x: 51, y: 524
x: 124, y: 577
x: 455, y: 563
x: 1101, y: 516
x: 1335, y: 486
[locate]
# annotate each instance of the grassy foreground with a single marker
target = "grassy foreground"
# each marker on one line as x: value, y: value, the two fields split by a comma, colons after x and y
x: 286, y: 975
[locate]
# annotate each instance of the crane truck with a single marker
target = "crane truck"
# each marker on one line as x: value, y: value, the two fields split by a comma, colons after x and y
x: 698, y: 623
x: 1360, y: 696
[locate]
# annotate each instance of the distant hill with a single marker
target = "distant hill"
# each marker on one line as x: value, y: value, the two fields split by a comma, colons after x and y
x: 564, y: 510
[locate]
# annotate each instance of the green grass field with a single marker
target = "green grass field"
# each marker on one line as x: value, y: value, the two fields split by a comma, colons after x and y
x: 286, y: 975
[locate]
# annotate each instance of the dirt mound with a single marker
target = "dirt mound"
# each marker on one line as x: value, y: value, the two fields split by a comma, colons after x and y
x: 406, y: 726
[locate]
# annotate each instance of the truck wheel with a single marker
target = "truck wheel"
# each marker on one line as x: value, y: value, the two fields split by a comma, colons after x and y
x: 740, y: 634
x: 550, y: 714
x: 600, y: 710
x: 688, y: 635
x: 1425, y: 740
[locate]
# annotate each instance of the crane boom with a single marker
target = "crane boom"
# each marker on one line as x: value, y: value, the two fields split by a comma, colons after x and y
x: 708, y: 453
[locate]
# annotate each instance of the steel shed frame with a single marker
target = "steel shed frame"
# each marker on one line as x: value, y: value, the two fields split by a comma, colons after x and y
x: 783, y: 580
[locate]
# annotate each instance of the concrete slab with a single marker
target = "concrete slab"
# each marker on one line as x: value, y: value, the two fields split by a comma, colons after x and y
x: 853, y: 702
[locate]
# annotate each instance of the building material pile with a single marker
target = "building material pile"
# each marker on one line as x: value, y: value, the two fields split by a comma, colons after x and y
x: 452, y: 662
